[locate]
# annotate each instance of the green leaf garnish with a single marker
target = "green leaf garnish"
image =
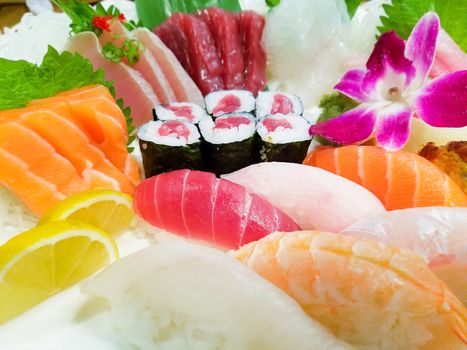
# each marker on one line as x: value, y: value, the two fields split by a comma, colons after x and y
x: 352, y: 6
x: 22, y: 81
x: 130, y: 51
x: 154, y: 12
x: 402, y: 15
x: 273, y: 3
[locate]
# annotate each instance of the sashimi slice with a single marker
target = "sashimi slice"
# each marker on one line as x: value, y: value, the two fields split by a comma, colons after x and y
x: 224, y: 30
x: 41, y: 158
x: 314, y: 198
x: 199, y: 206
x: 35, y: 192
x: 146, y: 64
x: 72, y: 143
x: 183, y: 86
x: 449, y: 56
x: 135, y: 91
x: 399, y: 179
x: 251, y: 26
x: 438, y: 234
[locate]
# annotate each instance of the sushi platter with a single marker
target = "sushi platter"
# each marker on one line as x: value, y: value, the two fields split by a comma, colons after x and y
x: 233, y: 175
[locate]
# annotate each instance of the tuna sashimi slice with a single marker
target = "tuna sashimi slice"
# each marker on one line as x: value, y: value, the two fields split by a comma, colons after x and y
x: 199, y: 206
x: 183, y: 86
x: 314, y: 198
x: 146, y: 65
x: 224, y: 30
x: 135, y: 91
x: 251, y: 26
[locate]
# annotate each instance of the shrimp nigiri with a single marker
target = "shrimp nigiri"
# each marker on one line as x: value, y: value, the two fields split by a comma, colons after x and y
x: 438, y: 234
x: 371, y: 295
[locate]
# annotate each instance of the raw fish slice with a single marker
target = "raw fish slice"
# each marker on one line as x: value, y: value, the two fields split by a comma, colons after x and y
x: 35, y: 192
x: 41, y: 158
x: 314, y: 198
x: 197, y: 205
x: 449, y: 56
x: 438, y: 234
x: 146, y: 65
x: 183, y: 86
x: 72, y: 143
x: 129, y: 85
x: 196, y: 297
x: 251, y: 26
x: 371, y: 295
x: 224, y: 30
x: 399, y: 179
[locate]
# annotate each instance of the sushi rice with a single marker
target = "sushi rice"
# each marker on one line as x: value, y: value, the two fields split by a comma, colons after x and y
x: 267, y: 102
x: 181, y: 110
x: 150, y: 132
x: 280, y: 135
x: 227, y: 135
x: 229, y: 101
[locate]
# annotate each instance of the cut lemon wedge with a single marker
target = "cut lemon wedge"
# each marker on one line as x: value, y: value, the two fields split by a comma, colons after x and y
x: 108, y: 210
x: 48, y: 259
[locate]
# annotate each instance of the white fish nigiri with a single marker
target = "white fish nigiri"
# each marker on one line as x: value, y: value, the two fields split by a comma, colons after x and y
x: 186, y: 296
x: 438, y: 234
x: 314, y: 198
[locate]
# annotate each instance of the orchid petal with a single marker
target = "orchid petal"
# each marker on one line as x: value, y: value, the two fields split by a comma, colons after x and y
x: 353, y: 126
x: 392, y: 131
x: 421, y: 45
x: 387, y: 67
x: 443, y: 102
x: 351, y: 84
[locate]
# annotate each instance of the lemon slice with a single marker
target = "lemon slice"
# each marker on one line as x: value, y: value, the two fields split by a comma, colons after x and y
x: 108, y: 210
x: 47, y: 259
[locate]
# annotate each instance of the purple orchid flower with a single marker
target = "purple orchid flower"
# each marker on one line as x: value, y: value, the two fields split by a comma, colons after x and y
x: 394, y: 87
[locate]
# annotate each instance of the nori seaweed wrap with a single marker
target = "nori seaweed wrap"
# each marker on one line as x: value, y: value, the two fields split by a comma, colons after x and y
x: 169, y: 145
x: 229, y: 142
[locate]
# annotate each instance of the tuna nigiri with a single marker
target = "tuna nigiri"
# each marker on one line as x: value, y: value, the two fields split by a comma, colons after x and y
x: 199, y: 206
x: 371, y: 295
x: 438, y: 234
x: 399, y: 179
x: 314, y: 198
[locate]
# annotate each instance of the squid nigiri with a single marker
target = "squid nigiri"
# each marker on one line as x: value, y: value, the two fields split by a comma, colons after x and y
x: 438, y: 234
x: 371, y: 295
x: 314, y: 198
x: 197, y: 205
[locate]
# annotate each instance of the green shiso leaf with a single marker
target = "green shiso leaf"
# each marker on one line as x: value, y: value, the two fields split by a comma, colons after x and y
x: 402, y: 15
x: 22, y: 81
x: 352, y: 6
x: 154, y: 12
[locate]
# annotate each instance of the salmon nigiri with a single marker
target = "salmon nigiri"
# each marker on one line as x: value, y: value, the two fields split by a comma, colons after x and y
x: 371, y: 295
x: 399, y: 179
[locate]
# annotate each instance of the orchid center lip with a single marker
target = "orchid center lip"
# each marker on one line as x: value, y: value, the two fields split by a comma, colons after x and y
x: 394, y: 94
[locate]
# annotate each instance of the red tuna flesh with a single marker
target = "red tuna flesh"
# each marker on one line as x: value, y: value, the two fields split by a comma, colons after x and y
x: 174, y: 127
x: 185, y: 112
x: 231, y: 122
x: 197, y: 205
x: 272, y: 124
x: 227, y: 104
x: 281, y: 104
x: 250, y: 26
x: 224, y: 30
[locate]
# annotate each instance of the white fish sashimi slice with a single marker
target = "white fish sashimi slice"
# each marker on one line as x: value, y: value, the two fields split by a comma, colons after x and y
x: 129, y: 84
x: 438, y: 234
x: 314, y: 198
x: 146, y: 65
x: 185, y: 296
x: 184, y: 87
x: 449, y: 56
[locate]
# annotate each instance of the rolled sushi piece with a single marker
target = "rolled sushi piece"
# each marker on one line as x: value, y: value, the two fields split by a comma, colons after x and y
x: 229, y: 142
x: 269, y: 102
x: 229, y: 101
x: 283, y: 138
x: 169, y: 145
x: 190, y: 112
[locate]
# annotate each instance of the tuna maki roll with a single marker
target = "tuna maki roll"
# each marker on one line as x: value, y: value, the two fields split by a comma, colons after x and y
x: 283, y: 138
x: 268, y: 103
x: 228, y: 142
x: 169, y: 145
x: 180, y: 110
x: 229, y: 101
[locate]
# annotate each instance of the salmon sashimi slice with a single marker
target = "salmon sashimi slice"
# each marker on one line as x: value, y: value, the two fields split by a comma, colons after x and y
x: 73, y: 144
x: 146, y: 64
x: 183, y: 86
x: 35, y: 192
x: 224, y: 30
x: 135, y: 91
x: 399, y: 179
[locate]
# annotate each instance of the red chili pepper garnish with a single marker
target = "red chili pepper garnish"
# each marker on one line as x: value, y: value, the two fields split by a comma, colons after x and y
x: 121, y: 17
x: 102, y: 22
